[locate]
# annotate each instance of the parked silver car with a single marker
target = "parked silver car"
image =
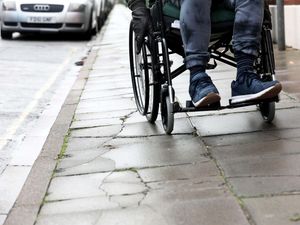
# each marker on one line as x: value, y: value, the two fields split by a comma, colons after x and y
x: 49, y: 16
x: 104, y: 8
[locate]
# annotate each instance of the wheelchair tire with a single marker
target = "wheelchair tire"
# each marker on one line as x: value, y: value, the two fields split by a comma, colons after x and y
x: 154, y: 84
x: 139, y: 75
x: 145, y: 83
x: 167, y: 115
x: 267, y: 110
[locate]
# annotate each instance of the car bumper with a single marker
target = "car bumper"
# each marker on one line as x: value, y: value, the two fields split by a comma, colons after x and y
x: 15, y: 21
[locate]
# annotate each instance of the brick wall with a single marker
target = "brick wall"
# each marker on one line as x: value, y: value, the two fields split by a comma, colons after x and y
x: 287, y: 2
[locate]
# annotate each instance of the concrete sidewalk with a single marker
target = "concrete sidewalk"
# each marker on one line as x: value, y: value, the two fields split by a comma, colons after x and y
x: 218, y: 168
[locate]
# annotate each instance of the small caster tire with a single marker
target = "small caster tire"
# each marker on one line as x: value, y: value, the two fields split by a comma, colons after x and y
x: 167, y: 114
x: 267, y: 110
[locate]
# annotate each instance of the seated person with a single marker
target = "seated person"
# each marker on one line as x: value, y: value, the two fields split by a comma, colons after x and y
x: 195, y: 23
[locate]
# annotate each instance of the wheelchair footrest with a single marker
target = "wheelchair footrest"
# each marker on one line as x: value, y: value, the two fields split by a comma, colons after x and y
x: 191, y: 108
x: 189, y: 104
x: 251, y: 102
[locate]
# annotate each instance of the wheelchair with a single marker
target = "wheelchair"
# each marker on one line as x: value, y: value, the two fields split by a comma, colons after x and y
x: 151, y: 73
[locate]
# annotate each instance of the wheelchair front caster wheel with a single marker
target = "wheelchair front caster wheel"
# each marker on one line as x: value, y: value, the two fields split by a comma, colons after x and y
x: 267, y: 110
x: 167, y: 115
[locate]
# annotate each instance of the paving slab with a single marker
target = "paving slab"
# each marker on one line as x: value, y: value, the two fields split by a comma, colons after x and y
x: 95, y: 165
x: 245, y: 122
x: 156, y: 151
x: 238, y: 139
x: 203, y: 186
x: 265, y: 186
x: 276, y: 210
x: 84, y: 218
x: 100, y: 94
x: 182, y: 172
x: 62, y: 188
x: 106, y: 131
x: 80, y: 124
x: 126, y: 201
x: 181, y: 126
x: 80, y: 144
x: 123, y: 188
x: 285, y: 165
x: 289, y: 133
x: 106, y: 114
x: 113, y: 84
x: 95, y: 105
x: 129, y: 176
x: 78, y: 158
x: 257, y: 148
x: 72, y: 206
x: 209, y: 212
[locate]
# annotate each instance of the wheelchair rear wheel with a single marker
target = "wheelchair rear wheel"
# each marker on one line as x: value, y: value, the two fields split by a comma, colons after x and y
x: 146, y: 87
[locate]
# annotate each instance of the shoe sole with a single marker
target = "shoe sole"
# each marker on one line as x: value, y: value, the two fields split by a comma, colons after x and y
x: 209, y: 99
x: 270, y: 92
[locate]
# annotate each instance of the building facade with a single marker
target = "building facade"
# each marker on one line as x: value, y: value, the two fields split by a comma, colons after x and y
x: 292, y: 22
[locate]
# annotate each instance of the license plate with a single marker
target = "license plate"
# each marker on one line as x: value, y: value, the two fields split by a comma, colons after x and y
x: 40, y: 19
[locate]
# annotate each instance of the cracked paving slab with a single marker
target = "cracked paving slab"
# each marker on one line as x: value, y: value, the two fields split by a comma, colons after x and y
x: 81, y: 124
x: 123, y: 183
x: 127, y: 201
x: 94, y: 165
x: 182, y: 126
x: 75, y: 187
x: 106, y: 131
x: 156, y: 151
x: 80, y: 144
x: 71, y: 206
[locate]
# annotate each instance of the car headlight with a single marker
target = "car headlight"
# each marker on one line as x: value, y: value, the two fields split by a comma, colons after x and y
x: 76, y: 7
x: 9, y: 6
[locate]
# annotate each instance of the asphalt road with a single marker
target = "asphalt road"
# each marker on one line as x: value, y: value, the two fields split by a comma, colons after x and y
x: 36, y: 74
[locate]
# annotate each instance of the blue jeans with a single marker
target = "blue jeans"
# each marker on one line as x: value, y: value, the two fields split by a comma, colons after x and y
x: 195, y: 25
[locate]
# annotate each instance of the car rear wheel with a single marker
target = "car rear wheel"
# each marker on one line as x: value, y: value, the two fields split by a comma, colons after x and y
x: 6, y: 35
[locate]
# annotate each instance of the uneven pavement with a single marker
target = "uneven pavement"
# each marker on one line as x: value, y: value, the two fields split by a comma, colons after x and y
x: 217, y: 168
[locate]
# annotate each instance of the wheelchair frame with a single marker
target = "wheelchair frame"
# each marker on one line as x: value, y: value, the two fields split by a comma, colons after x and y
x: 152, y: 76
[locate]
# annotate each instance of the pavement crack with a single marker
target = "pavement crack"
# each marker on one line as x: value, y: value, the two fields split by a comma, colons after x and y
x: 86, y: 162
x: 231, y: 189
x: 145, y: 193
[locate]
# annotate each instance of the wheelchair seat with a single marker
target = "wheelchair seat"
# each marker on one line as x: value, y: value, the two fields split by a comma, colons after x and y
x: 221, y: 18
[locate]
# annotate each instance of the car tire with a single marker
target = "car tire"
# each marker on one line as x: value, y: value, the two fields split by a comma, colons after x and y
x: 6, y: 35
x: 89, y: 33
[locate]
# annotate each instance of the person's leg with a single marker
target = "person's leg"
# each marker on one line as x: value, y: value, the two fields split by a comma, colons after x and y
x: 195, y: 31
x: 246, y: 42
